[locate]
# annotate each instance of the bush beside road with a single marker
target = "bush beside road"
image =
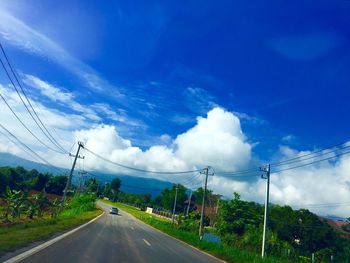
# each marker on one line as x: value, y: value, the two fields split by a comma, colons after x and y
x: 221, y: 251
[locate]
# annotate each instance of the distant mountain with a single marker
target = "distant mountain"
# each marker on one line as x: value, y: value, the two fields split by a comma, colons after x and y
x: 7, y: 159
x: 334, y: 217
x: 136, y: 185
x: 130, y: 184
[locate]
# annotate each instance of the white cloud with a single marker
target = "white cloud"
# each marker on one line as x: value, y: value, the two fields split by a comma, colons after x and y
x: 59, y: 96
x: 216, y: 140
x: 199, y: 100
x: 327, y: 182
x: 60, y: 122
x: 288, y: 138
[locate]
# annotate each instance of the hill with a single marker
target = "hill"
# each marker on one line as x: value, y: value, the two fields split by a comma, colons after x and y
x: 130, y: 184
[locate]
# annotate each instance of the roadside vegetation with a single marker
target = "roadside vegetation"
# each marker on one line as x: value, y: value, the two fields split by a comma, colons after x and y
x: 31, y: 207
x: 225, y: 252
x: 293, y: 234
x: 30, y: 210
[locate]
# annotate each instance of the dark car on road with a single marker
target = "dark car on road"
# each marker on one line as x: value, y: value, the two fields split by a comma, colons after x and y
x: 113, y: 210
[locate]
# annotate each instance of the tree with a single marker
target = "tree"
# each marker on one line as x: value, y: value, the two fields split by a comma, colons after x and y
x: 167, y: 197
x: 41, y: 181
x: 235, y: 216
x: 56, y: 184
x: 115, y: 186
x: 91, y: 185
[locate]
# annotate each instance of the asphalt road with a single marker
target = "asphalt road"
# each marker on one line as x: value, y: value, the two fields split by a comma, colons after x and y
x: 118, y: 238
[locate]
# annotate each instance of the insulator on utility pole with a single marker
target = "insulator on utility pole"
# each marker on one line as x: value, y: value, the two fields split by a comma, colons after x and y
x: 206, y: 172
x: 80, y: 144
x: 266, y: 176
x: 173, y: 215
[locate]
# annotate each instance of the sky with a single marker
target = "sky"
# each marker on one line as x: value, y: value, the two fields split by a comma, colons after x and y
x: 172, y: 86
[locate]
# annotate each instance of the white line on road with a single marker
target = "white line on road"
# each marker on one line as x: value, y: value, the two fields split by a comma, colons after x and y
x: 147, y: 243
x: 132, y: 228
x: 34, y: 250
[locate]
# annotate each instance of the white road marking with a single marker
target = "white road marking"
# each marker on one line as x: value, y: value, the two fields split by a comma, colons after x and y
x: 132, y: 228
x: 147, y: 243
x: 34, y: 250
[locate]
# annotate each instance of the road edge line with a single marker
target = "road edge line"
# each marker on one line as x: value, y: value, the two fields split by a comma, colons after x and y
x: 40, y: 247
x: 181, y: 241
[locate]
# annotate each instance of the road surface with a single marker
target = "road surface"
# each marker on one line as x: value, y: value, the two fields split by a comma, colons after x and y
x: 118, y: 238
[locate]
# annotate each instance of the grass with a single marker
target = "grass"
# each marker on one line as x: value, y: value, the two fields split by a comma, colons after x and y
x: 228, y: 253
x: 19, y: 235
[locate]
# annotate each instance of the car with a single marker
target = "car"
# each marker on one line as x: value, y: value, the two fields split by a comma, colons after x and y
x: 113, y: 210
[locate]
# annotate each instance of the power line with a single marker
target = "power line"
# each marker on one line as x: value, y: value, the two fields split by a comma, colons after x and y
x: 23, y: 148
x: 140, y: 170
x: 132, y: 186
x: 239, y: 171
x: 311, y: 157
x: 308, y: 154
x: 249, y: 172
x: 29, y: 149
x: 45, y: 132
x: 30, y: 104
x: 302, y: 165
x: 25, y: 126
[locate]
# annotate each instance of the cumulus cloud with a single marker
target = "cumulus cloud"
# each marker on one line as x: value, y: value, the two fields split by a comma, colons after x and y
x: 312, y: 187
x: 216, y: 140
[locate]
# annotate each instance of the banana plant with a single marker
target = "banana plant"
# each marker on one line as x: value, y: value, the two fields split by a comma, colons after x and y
x: 14, y: 203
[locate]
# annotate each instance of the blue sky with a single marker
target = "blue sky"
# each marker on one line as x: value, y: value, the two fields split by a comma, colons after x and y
x: 283, y: 65
x: 150, y: 68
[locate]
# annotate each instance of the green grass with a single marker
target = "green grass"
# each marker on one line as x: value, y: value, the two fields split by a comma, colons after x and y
x: 228, y: 253
x: 19, y: 235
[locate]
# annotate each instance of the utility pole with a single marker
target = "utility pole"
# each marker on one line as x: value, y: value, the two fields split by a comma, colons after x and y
x: 80, y: 144
x: 189, y: 204
x: 173, y: 216
x: 266, y: 176
x: 217, y: 206
x: 206, y: 172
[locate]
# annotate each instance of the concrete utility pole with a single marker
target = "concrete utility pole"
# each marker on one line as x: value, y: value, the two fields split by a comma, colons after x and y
x: 189, y: 204
x: 173, y: 216
x: 80, y: 144
x: 206, y: 172
x: 266, y: 175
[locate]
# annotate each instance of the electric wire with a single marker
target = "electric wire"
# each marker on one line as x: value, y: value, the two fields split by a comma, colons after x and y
x: 25, y: 126
x: 311, y: 153
x: 21, y: 146
x: 318, y: 161
x: 131, y: 186
x: 45, y: 132
x: 311, y: 157
x: 25, y: 104
x: 29, y: 149
x: 137, y: 169
x: 248, y: 172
